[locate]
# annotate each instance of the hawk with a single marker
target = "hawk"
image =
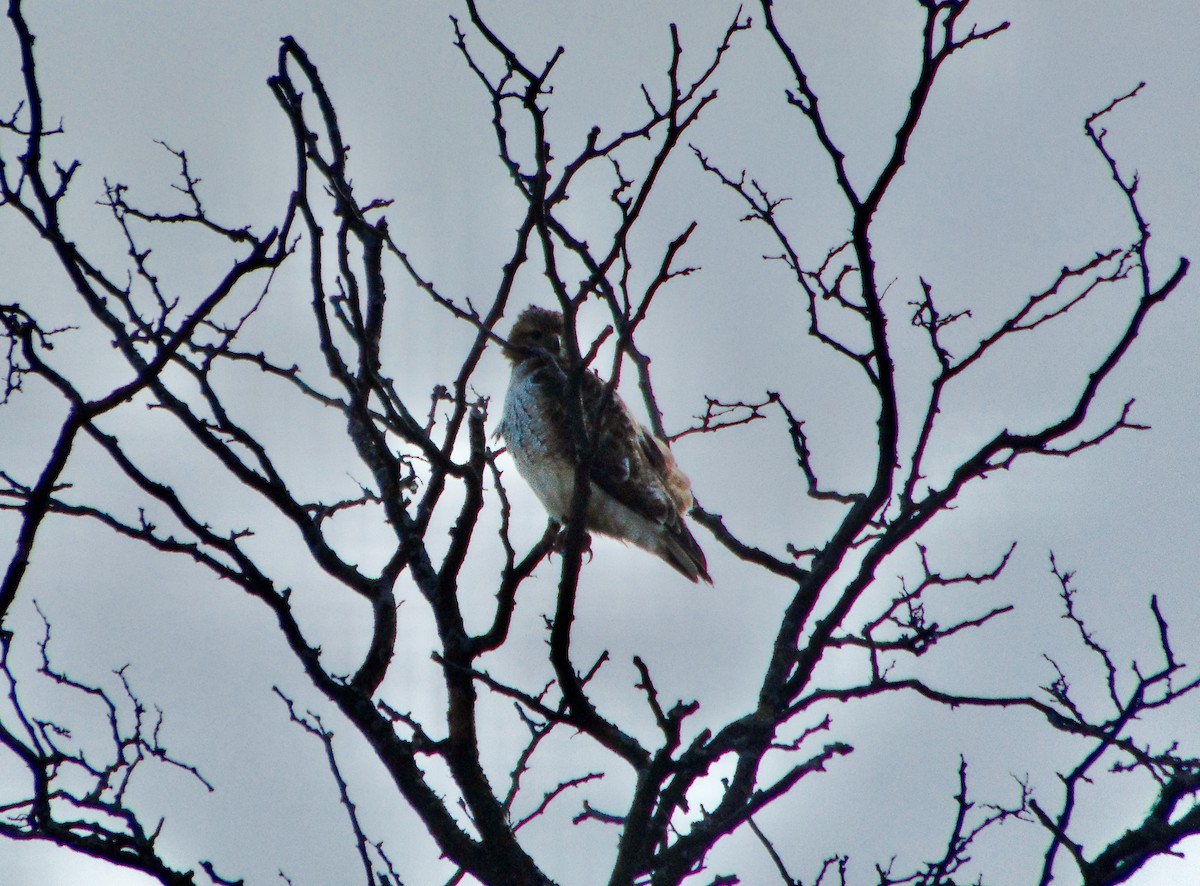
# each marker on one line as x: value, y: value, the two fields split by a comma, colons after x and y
x: 638, y: 494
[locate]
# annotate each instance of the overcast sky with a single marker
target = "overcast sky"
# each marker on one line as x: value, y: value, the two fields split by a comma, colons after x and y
x: 1001, y: 191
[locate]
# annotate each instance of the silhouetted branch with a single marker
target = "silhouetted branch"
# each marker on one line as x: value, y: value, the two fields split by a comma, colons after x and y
x: 311, y: 723
x: 77, y: 789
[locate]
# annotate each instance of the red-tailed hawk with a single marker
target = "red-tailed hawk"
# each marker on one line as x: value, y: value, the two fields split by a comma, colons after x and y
x: 638, y: 494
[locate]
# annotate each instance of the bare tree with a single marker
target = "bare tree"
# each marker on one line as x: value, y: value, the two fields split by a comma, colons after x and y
x: 185, y: 358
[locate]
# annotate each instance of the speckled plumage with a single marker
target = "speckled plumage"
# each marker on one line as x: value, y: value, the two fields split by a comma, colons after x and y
x: 638, y: 494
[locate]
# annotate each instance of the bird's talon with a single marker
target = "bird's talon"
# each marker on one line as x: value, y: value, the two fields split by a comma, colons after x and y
x: 559, y: 543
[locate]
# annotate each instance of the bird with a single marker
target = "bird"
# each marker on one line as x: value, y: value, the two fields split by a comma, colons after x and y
x: 637, y: 494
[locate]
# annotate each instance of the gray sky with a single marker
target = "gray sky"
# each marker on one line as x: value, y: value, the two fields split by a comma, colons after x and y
x: 1002, y: 190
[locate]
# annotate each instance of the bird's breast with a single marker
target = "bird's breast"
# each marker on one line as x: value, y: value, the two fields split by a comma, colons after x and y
x: 536, y: 444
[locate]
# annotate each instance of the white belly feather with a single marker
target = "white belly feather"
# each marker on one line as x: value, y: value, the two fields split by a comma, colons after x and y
x: 546, y: 469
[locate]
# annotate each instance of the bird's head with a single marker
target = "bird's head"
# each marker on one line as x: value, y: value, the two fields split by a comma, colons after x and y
x: 535, y: 330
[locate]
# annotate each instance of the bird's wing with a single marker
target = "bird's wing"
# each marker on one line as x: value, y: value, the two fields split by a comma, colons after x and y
x: 628, y: 463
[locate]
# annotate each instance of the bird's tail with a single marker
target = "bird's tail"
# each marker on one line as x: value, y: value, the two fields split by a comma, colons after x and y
x: 680, y: 549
